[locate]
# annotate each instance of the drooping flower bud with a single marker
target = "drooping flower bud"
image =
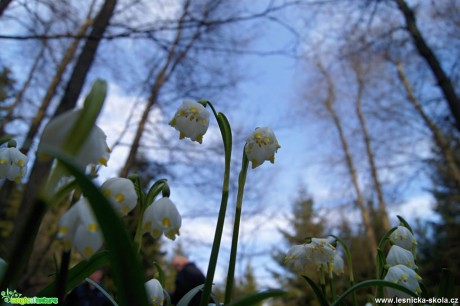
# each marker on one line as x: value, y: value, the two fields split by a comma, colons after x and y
x: 154, y: 292
x: 403, y: 237
x: 191, y: 120
x: 399, y: 256
x: 121, y: 193
x: 261, y: 145
x: 13, y: 164
x: 405, y: 276
x: 313, y: 255
x: 93, y: 151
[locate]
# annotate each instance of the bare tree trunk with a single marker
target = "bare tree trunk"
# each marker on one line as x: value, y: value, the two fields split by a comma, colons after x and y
x: 32, y: 209
x: 441, y: 142
x: 425, y: 51
x: 164, y: 74
x: 370, y: 155
x: 86, y: 58
x: 370, y: 235
x: 3, y: 5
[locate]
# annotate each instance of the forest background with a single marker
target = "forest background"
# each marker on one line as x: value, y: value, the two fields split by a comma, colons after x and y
x: 362, y: 95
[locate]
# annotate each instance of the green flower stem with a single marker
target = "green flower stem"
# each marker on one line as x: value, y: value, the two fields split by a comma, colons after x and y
x: 322, y: 280
x: 331, y: 282
x: 349, y: 264
x: 380, y: 261
x: 225, y: 130
x: 61, y: 279
x: 236, y: 229
x: 139, y: 230
x: 144, y: 202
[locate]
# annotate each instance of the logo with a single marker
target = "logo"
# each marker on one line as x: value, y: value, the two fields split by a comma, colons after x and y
x: 15, y: 298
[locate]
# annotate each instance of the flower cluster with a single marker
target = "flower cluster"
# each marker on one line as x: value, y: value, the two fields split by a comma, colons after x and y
x: 78, y: 225
x: 154, y: 292
x: 402, y: 263
x: 13, y: 164
x: 162, y: 217
x: 314, y: 255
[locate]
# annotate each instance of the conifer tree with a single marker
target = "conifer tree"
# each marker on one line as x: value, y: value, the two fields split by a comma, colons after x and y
x: 304, y: 222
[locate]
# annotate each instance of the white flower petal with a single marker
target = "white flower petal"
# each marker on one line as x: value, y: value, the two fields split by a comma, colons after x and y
x: 87, y: 242
x: 338, y: 266
x: 67, y: 226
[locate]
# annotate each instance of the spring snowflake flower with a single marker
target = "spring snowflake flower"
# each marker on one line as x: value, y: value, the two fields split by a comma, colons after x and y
x: 162, y: 217
x: 399, y: 256
x: 121, y: 194
x: 94, y: 150
x: 13, y: 164
x: 154, y: 292
x: 78, y: 227
x: 191, y: 120
x: 261, y: 145
x: 403, y: 237
x: 313, y: 255
x: 404, y: 276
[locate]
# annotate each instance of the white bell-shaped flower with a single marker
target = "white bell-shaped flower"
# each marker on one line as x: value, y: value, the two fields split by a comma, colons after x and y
x: 154, y: 292
x: 403, y: 237
x: 94, y: 150
x: 313, y: 255
x: 78, y: 227
x: 191, y: 120
x: 405, y: 276
x: 121, y: 194
x: 399, y: 256
x: 162, y: 217
x: 13, y: 164
x: 261, y: 145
